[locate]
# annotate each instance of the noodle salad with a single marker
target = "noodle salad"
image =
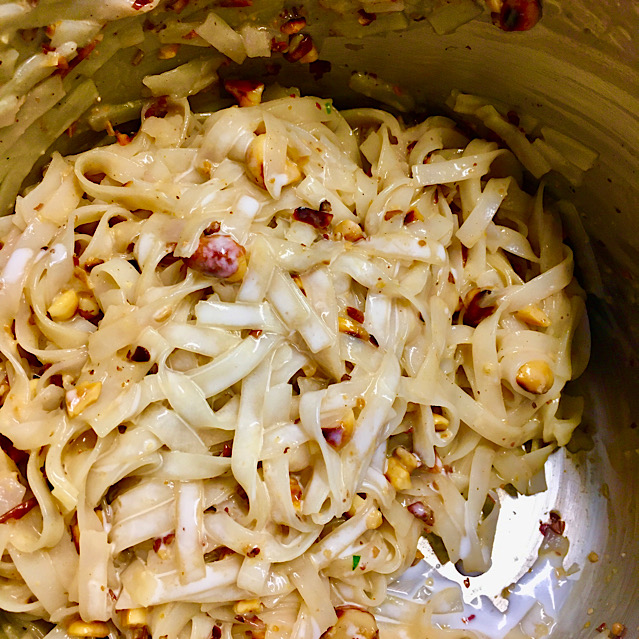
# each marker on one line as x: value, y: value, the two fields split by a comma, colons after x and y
x: 249, y: 358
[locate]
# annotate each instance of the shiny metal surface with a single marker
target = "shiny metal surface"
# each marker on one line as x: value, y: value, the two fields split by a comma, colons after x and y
x: 578, y: 71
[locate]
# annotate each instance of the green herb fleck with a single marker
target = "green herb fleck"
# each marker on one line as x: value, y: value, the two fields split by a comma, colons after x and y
x: 329, y: 107
x: 356, y: 559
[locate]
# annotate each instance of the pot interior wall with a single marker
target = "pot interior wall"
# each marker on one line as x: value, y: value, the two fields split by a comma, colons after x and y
x: 577, y: 72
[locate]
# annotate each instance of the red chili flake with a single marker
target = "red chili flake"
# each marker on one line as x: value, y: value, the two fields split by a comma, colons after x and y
x: 471, y: 617
x: 47, y: 48
x: 256, y: 332
x: 216, y: 633
x: 19, y: 511
x: 365, y: 18
x: 235, y: 3
x: 467, y: 582
x: 84, y: 52
x: 319, y: 68
x: 518, y: 15
x: 191, y: 35
x: 355, y: 313
x: 168, y: 540
x: 373, y: 340
x: 345, y: 378
x: 140, y: 4
x: 254, y: 552
x: 227, y: 450
x: 410, y: 146
x: 112, y: 595
x: 122, y: 138
x: 158, y: 109
x: 601, y: 627
x: 317, y: 219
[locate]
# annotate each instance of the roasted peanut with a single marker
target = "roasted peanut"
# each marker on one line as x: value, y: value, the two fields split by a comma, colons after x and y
x: 339, y: 434
x: 352, y: 328
x: 348, y: 230
x: 294, y: 25
x: 81, y: 628
x: 409, y: 460
x: 399, y: 467
x: 134, y: 618
x: 533, y: 316
x: 352, y: 623
x: 535, y: 377
x: 247, y: 607
x: 425, y: 513
x: 246, y: 92
x: 301, y: 48
x: 81, y: 397
x: 441, y: 423
x: 168, y: 51
x: 64, y: 306
x: 296, y: 492
x: 219, y: 256
x: 397, y: 474
x: 255, y: 163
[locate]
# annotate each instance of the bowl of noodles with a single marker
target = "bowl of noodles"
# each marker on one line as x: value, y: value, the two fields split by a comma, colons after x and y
x: 318, y: 319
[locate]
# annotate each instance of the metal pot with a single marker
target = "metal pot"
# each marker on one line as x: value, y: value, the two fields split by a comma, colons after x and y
x: 577, y: 71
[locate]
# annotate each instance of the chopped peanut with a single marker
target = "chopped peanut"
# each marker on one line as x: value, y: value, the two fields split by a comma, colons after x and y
x: 354, y: 329
x: 255, y: 163
x: 294, y: 25
x: 618, y: 629
x: 168, y: 51
x: 301, y: 48
x: 352, y: 623
x: 356, y: 504
x: 533, y: 316
x: 397, y: 474
x: 296, y: 492
x: 340, y: 433
x: 81, y: 628
x: 374, y: 519
x: 409, y: 460
x: 535, y: 377
x: 246, y: 92
x: 134, y: 618
x: 441, y: 423
x: 82, y: 396
x: 349, y: 230
x: 247, y: 607
x: 64, y: 305
x: 88, y: 307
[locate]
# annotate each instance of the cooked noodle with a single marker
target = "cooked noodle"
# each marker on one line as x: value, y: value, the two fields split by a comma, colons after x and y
x: 253, y: 446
